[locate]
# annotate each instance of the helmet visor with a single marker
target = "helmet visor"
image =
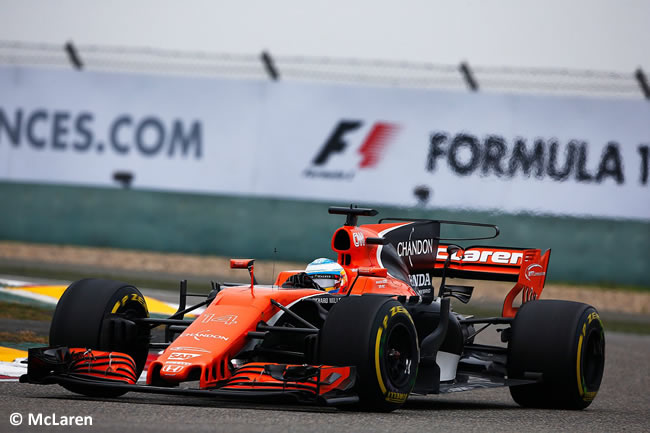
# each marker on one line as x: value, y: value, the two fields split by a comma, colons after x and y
x: 327, y: 281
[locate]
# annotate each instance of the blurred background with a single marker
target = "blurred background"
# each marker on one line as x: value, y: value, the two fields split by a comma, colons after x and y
x: 228, y: 128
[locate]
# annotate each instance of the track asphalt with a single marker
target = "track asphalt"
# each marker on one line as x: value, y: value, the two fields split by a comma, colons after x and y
x: 621, y: 405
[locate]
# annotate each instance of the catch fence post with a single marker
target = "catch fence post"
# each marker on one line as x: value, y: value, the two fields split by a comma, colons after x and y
x: 643, y: 82
x: 73, y: 55
x: 468, y: 76
x: 269, y: 65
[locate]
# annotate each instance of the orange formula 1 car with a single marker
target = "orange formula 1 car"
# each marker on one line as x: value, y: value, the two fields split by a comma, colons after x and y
x: 369, y: 329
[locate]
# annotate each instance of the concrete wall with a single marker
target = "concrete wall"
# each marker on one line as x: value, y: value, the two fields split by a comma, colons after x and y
x: 584, y: 250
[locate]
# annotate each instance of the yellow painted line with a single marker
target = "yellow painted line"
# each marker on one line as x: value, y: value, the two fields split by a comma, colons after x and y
x: 55, y: 292
x: 7, y: 354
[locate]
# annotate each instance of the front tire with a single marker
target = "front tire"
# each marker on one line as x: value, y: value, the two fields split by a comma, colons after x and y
x: 376, y: 335
x: 565, y: 342
x: 79, y: 322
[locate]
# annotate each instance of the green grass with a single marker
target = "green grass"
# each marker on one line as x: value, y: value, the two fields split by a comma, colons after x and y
x: 19, y: 311
x: 22, y: 337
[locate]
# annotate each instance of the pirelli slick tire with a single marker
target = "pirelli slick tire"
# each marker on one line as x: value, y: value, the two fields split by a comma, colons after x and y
x: 565, y: 342
x: 376, y: 335
x: 79, y: 321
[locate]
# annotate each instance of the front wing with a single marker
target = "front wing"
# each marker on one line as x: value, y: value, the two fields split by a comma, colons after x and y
x: 256, y: 381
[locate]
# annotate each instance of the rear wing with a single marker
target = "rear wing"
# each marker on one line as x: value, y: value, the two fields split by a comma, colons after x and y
x: 524, y: 266
x: 482, y: 262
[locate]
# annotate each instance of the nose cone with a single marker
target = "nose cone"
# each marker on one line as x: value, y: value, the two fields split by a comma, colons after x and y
x: 204, y: 350
x: 177, y: 363
x: 195, y: 352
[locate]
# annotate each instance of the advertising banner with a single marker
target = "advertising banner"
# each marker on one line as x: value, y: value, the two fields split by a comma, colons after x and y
x: 477, y: 151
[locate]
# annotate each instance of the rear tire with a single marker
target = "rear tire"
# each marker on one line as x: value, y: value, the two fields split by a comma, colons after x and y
x: 564, y: 341
x: 376, y: 335
x: 78, y: 321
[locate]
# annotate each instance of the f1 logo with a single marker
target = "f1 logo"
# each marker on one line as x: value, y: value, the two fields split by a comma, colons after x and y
x: 372, y: 148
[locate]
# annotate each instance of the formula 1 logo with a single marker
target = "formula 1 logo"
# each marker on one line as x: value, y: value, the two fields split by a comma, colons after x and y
x: 371, y: 149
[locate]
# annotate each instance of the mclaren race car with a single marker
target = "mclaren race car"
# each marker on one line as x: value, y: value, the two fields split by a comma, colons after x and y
x: 386, y: 334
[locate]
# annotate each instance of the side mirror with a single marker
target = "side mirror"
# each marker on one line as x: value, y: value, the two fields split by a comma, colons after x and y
x: 241, y: 263
x: 245, y: 264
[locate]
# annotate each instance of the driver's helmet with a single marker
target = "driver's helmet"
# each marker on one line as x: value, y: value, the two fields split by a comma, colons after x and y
x: 328, y: 274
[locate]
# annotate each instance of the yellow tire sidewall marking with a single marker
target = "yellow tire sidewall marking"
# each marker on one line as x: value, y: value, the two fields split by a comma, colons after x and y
x: 578, y: 370
x: 130, y: 297
x: 586, y: 395
x: 380, y: 331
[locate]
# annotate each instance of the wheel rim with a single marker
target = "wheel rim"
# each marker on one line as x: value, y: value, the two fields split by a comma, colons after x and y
x: 594, y: 359
x: 398, y: 356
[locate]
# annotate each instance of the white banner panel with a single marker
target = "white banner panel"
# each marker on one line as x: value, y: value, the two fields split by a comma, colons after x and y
x: 509, y: 153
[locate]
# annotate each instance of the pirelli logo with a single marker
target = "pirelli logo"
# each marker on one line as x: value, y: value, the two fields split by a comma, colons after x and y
x: 396, y: 397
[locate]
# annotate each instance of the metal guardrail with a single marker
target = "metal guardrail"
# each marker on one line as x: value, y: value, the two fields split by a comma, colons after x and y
x: 326, y: 69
